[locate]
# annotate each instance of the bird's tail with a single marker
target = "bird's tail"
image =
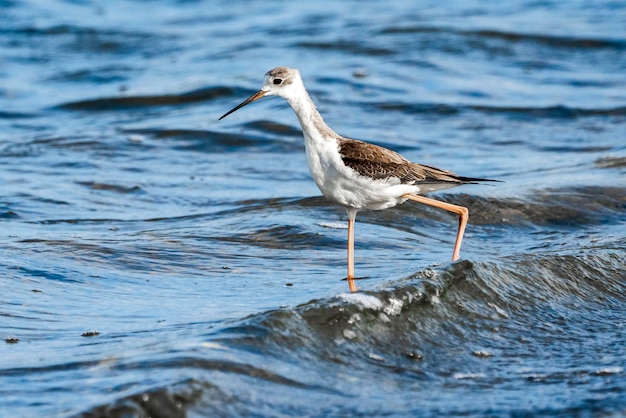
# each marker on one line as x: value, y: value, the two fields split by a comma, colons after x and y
x: 475, y: 180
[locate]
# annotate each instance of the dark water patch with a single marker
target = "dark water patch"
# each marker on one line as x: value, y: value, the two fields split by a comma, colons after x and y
x: 571, y: 207
x: 550, y: 40
x: 90, y: 40
x: 420, y: 108
x: 582, y: 82
x: 78, y: 221
x: 356, y: 84
x: 196, y: 396
x: 474, y: 94
x: 143, y: 251
x: 15, y: 115
x: 73, y: 246
x: 273, y: 128
x: 213, y: 141
x: 176, y: 219
x: 105, y: 75
x: 593, y: 277
x: 71, y: 365
x: 282, y: 237
x: 157, y: 403
x: 93, y: 185
x: 611, y: 162
x: 140, y: 102
x: 278, y: 203
x: 9, y: 3
x: 73, y: 165
x: 351, y: 47
x: 255, y: 207
x: 39, y: 199
x: 39, y: 145
x: 8, y: 214
x: 515, y: 37
x: 531, y: 113
x: 552, y: 112
x: 582, y: 148
x: 44, y: 274
x: 146, y: 251
x: 229, y: 367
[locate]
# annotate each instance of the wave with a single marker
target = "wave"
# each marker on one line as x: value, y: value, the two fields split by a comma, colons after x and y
x: 215, y: 141
x: 95, y: 185
x: 574, y: 206
x: 513, y: 37
x: 435, y: 324
x: 16, y: 115
x: 611, y: 162
x: 551, y: 112
x: 347, y: 46
x: 91, y: 39
x: 416, y: 309
x: 581, y: 206
x: 130, y: 102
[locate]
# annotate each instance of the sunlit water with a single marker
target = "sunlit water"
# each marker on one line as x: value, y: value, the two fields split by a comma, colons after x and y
x: 155, y: 261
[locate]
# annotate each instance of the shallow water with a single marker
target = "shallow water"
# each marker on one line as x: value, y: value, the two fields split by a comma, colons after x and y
x: 155, y: 261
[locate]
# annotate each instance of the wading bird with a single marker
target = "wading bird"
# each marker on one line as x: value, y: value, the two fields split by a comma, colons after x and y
x: 355, y: 174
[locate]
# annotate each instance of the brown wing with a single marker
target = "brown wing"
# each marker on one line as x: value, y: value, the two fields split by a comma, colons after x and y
x: 381, y: 163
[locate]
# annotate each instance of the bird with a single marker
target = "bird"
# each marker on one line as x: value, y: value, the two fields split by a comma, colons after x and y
x: 354, y: 174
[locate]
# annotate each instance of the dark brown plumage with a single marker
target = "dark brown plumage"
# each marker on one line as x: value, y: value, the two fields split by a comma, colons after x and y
x: 381, y: 163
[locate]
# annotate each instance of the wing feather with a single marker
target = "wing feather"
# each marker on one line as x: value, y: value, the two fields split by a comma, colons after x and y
x: 383, y: 164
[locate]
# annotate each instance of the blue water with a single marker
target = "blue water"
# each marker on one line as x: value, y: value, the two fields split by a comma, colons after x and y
x: 155, y: 261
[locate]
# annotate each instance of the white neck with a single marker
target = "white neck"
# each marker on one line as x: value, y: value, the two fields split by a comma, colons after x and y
x: 312, y: 123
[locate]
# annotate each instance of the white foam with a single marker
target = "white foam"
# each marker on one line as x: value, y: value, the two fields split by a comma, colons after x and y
x: 376, y: 357
x: 354, y: 318
x: 383, y: 317
x: 394, y: 307
x: 333, y: 225
x: 367, y: 301
x: 609, y: 370
x: 348, y: 334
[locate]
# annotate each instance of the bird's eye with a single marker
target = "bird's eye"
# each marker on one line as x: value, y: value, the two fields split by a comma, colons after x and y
x: 278, y: 81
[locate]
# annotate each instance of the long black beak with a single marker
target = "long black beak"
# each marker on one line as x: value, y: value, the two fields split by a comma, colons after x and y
x: 255, y: 96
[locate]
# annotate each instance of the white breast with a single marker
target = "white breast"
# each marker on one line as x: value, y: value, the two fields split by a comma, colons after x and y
x: 345, y: 186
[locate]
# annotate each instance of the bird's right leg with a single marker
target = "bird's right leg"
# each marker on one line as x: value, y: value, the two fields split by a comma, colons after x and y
x: 462, y: 211
x: 350, y: 278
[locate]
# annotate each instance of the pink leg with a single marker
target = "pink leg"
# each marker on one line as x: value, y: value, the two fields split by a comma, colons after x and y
x: 459, y: 210
x: 351, y: 220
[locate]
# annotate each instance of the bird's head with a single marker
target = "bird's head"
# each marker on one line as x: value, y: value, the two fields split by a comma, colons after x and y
x: 280, y: 81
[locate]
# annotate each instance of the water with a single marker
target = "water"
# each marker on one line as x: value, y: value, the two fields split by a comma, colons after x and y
x: 157, y: 262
